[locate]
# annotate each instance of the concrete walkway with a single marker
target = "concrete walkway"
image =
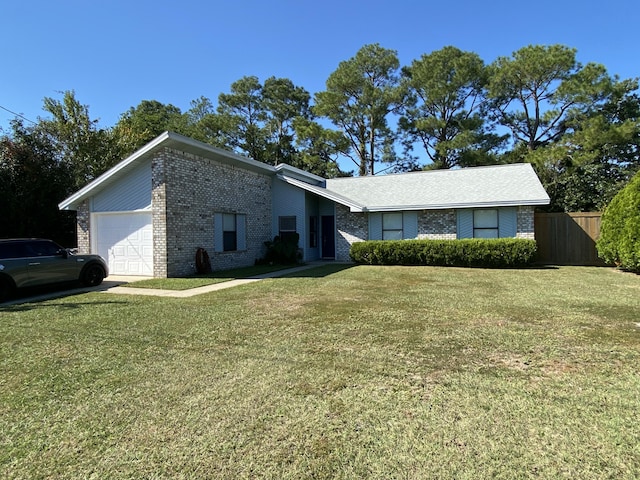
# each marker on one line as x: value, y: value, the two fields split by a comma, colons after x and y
x: 113, y: 284
x: 156, y: 292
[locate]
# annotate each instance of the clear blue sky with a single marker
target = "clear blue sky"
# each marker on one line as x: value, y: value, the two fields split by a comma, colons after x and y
x: 117, y: 53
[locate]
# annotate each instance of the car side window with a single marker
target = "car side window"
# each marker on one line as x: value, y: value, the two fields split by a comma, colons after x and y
x: 44, y: 249
x: 13, y: 250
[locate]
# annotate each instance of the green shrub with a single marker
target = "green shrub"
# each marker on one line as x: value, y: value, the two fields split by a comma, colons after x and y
x: 493, y: 253
x: 619, y: 240
x: 282, y: 250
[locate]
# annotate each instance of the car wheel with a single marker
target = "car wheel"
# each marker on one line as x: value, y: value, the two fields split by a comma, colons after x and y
x: 93, y: 275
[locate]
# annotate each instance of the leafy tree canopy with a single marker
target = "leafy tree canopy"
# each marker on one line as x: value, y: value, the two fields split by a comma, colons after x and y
x: 444, y: 111
x: 360, y: 96
x: 575, y: 123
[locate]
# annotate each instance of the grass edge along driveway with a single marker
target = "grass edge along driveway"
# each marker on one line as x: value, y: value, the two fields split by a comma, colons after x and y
x: 362, y: 372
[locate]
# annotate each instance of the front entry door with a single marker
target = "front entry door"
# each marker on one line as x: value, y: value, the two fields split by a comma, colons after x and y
x: 328, y: 237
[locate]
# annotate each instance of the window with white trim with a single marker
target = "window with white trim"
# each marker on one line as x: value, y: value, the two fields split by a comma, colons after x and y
x: 485, y: 223
x: 392, y: 226
x: 286, y: 227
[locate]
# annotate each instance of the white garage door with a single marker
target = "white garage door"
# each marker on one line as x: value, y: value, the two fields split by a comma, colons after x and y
x: 125, y: 240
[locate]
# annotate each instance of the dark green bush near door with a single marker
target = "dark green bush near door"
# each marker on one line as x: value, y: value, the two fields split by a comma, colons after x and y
x: 282, y: 250
x: 493, y: 253
x: 619, y: 240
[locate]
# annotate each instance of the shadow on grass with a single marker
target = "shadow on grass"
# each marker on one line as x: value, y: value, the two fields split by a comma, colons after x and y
x: 319, y: 271
x: 272, y: 271
x: 33, y: 297
x: 41, y: 304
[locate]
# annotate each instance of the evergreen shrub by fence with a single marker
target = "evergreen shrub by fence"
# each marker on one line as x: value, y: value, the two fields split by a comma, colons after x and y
x: 490, y: 253
x: 619, y: 240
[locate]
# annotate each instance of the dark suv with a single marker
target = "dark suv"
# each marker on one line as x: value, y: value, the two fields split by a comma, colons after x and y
x: 30, y: 262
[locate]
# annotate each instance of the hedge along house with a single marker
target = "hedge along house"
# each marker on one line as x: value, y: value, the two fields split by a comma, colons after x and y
x: 150, y: 213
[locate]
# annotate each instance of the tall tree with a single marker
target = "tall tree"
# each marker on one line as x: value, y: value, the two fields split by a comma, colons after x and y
x: 32, y: 183
x: 319, y: 148
x: 87, y: 149
x: 597, y: 154
x: 539, y: 87
x: 241, y: 117
x: 149, y: 119
x: 283, y: 102
x: 273, y: 123
x: 573, y: 122
x: 360, y: 95
x: 444, y: 112
x: 203, y: 124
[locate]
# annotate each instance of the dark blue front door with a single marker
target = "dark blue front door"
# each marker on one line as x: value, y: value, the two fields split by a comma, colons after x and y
x: 328, y: 237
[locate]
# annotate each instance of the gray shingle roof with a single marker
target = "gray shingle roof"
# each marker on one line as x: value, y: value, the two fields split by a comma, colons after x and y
x: 501, y: 185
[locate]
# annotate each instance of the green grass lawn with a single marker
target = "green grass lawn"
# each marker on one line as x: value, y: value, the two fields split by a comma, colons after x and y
x: 335, y: 372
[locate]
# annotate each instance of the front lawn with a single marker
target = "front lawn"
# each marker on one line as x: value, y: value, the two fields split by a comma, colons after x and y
x: 361, y: 372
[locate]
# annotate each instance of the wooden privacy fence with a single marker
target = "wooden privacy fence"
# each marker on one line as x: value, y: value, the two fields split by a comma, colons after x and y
x: 568, y: 238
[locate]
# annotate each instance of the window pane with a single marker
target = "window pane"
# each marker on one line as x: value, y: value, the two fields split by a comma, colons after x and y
x: 229, y: 241
x: 14, y: 250
x: 229, y: 222
x: 485, y: 233
x: 43, y: 249
x: 485, y: 218
x: 313, y: 232
x: 392, y: 234
x: 392, y: 221
x: 287, y: 224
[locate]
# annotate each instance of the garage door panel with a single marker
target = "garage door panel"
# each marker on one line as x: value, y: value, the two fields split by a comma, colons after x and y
x: 126, y: 242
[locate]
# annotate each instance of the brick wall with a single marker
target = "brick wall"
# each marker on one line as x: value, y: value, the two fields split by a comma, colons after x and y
x: 83, y: 217
x: 526, y: 220
x: 159, y: 215
x: 187, y: 191
x: 351, y: 227
x: 437, y: 224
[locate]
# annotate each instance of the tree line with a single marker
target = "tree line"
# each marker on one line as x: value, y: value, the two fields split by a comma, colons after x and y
x: 577, y: 124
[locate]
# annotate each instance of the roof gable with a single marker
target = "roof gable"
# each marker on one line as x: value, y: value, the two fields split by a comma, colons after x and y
x: 165, y: 140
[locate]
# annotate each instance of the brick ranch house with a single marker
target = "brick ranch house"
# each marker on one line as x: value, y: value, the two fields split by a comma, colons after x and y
x: 148, y: 214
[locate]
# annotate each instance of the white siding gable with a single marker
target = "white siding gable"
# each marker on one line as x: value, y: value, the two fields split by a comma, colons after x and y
x: 132, y: 192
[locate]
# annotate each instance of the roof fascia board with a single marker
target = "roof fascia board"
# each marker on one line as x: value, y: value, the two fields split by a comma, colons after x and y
x: 298, y: 174
x: 515, y: 203
x: 323, y: 192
